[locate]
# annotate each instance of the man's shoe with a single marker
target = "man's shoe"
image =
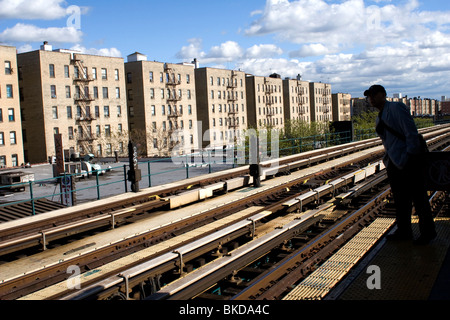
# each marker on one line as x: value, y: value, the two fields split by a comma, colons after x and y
x: 399, y: 236
x: 425, y: 239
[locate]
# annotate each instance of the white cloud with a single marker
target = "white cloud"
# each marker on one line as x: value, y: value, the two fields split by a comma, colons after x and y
x: 32, y: 9
x: 226, y: 52
x: 310, y: 50
x: 30, y: 33
x: 263, y: 51
x: 107, y: 52
x: 193, y: 50
x: 347, y: 43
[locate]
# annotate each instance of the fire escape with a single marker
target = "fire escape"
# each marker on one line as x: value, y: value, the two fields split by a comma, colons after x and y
x: 300, y: 97
x: 269, y: 101
x: 83, y: 98
x: 172, y: 99
x: 326, y: 102
x: 233, y: 109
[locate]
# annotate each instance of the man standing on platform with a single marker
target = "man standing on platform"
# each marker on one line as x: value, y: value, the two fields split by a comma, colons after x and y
x: 402, y: 143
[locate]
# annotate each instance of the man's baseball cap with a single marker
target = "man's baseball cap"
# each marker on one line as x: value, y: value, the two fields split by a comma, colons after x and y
x: 373, y: 90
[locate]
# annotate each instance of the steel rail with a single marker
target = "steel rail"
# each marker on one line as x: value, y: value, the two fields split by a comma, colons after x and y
x: 203, y: 218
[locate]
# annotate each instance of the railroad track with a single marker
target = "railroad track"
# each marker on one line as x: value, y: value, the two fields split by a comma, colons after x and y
x: 272, y: 201
x: 38, y: 231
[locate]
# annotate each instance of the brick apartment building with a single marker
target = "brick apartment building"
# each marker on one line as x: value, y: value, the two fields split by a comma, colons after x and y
x: 161, y: 105
x: 297, y: 104
x: 97, y: 103
x: 221, y: 105
x: 265, y: 102
x: 11, y: 147
x: 320, y: 96
x: 341, y: 103
x: 81, y: 97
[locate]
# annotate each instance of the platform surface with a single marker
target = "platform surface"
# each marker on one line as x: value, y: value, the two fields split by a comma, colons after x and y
x: 406, y: 271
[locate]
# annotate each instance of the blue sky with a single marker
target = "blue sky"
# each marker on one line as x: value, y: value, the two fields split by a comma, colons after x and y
x: 402, y: 44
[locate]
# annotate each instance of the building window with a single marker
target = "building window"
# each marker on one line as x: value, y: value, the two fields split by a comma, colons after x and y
x: 105, y: 93
x: 188, y: 79
x: 116, y: 74
x: 1, y: 115
x: 119, y: 111
x: 97, y: 112
x: 95, y: 92
x: 55, y: 112
x: 66, y: 72
x: 108, y: 149
x: 68, y: 95
x: 76, y: 72
x: 8, y: 69
x: 118, y: 93
x: 106, y: 111
x: 53, y: 91
x: 104, y: 74
x: 15, y: 160
x: 70, y: 133
x: 9, y: 91
x: 11, y: 116
x: 2, y: 139
x: 12, y: 137
x: 94, y: 73
x: 153, y: 110
x: 107, y: 130
x: 52, y: 70
x: 189, y: 109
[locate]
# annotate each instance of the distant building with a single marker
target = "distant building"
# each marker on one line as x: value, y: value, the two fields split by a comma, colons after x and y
x: 80, y: 96
x: 161, y: 105
x: 445, y: 107
x: 221, y: 105
x: 297, y: 104
x: 265, y: 102
x: 321, y: 108
x: 11, y: 143
x: 341, y: 106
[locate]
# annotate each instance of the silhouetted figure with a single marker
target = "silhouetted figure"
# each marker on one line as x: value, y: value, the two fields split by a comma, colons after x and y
x: 403, y: 145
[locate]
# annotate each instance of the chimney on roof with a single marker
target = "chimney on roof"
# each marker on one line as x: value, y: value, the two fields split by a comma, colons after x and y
x: 46, y: 46
x: 196, y: 63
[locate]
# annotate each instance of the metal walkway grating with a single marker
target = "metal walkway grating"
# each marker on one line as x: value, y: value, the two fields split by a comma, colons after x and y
x: 319, y: 283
